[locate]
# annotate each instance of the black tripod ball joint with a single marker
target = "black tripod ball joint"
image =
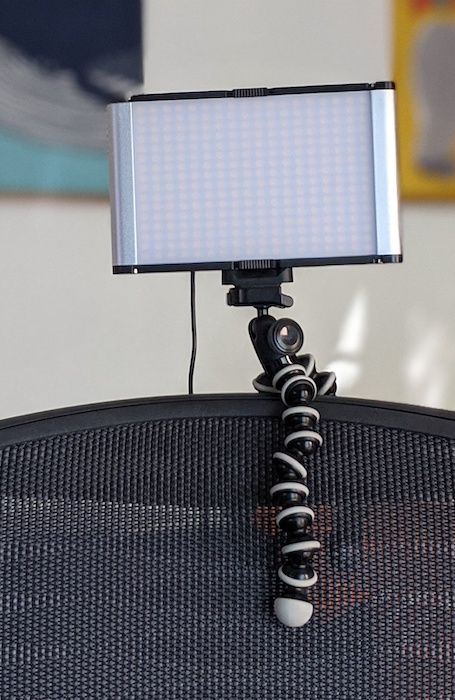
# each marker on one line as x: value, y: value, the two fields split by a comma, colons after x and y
x: 296, y: 379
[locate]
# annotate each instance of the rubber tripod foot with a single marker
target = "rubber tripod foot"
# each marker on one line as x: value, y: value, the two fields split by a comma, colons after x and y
x: 292, y: 612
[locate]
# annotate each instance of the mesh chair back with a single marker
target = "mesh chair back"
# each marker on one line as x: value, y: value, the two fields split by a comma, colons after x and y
x: 138, y: 554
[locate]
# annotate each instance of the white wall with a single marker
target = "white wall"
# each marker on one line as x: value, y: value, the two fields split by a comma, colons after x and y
x: 73, y: 333
x: 210, y: 44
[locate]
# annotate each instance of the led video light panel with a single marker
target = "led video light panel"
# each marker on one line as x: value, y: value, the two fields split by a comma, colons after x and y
x: 297, y: 175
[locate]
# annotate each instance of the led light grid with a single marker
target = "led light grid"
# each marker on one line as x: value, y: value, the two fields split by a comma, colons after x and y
x: 286, y: 176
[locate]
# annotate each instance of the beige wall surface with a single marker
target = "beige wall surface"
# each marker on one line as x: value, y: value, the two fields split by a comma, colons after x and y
x: 73, y: 333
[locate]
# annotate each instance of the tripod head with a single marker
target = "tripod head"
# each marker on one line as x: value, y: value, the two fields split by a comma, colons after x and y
x: 258, y: 284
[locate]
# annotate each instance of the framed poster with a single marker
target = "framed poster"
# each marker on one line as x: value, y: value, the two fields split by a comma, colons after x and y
x: 425, y: 77
x: 61, y: 63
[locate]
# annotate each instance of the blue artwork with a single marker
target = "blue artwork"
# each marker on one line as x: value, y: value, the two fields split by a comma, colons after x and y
x: 60, y: 64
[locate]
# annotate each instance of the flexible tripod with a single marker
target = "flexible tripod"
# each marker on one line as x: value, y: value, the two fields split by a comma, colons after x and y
x: 298, y: 382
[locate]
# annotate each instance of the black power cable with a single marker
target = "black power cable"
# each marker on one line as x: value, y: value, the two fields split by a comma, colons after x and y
x: 193, y: 332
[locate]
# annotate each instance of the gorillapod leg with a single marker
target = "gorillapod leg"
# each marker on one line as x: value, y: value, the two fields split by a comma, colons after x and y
x: 297, y: 381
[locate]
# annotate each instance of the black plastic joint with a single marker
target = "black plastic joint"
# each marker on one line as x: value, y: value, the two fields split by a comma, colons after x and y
x: 250, y: 92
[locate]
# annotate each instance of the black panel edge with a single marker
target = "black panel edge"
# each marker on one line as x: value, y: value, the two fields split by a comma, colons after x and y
x: 196, y: 95
x: 384, y: 85
x: 291, y: 262
x: 346, y: 87
x: 262, y: 91
x: 90, y: 417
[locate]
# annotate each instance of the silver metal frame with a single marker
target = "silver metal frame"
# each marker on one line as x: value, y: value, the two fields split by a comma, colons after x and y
x: 385, y: 172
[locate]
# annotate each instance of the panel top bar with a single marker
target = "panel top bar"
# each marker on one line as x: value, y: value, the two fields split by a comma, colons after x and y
x: 262, y: 91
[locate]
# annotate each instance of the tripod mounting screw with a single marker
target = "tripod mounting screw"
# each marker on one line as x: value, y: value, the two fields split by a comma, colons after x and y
x: 260, y: 288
